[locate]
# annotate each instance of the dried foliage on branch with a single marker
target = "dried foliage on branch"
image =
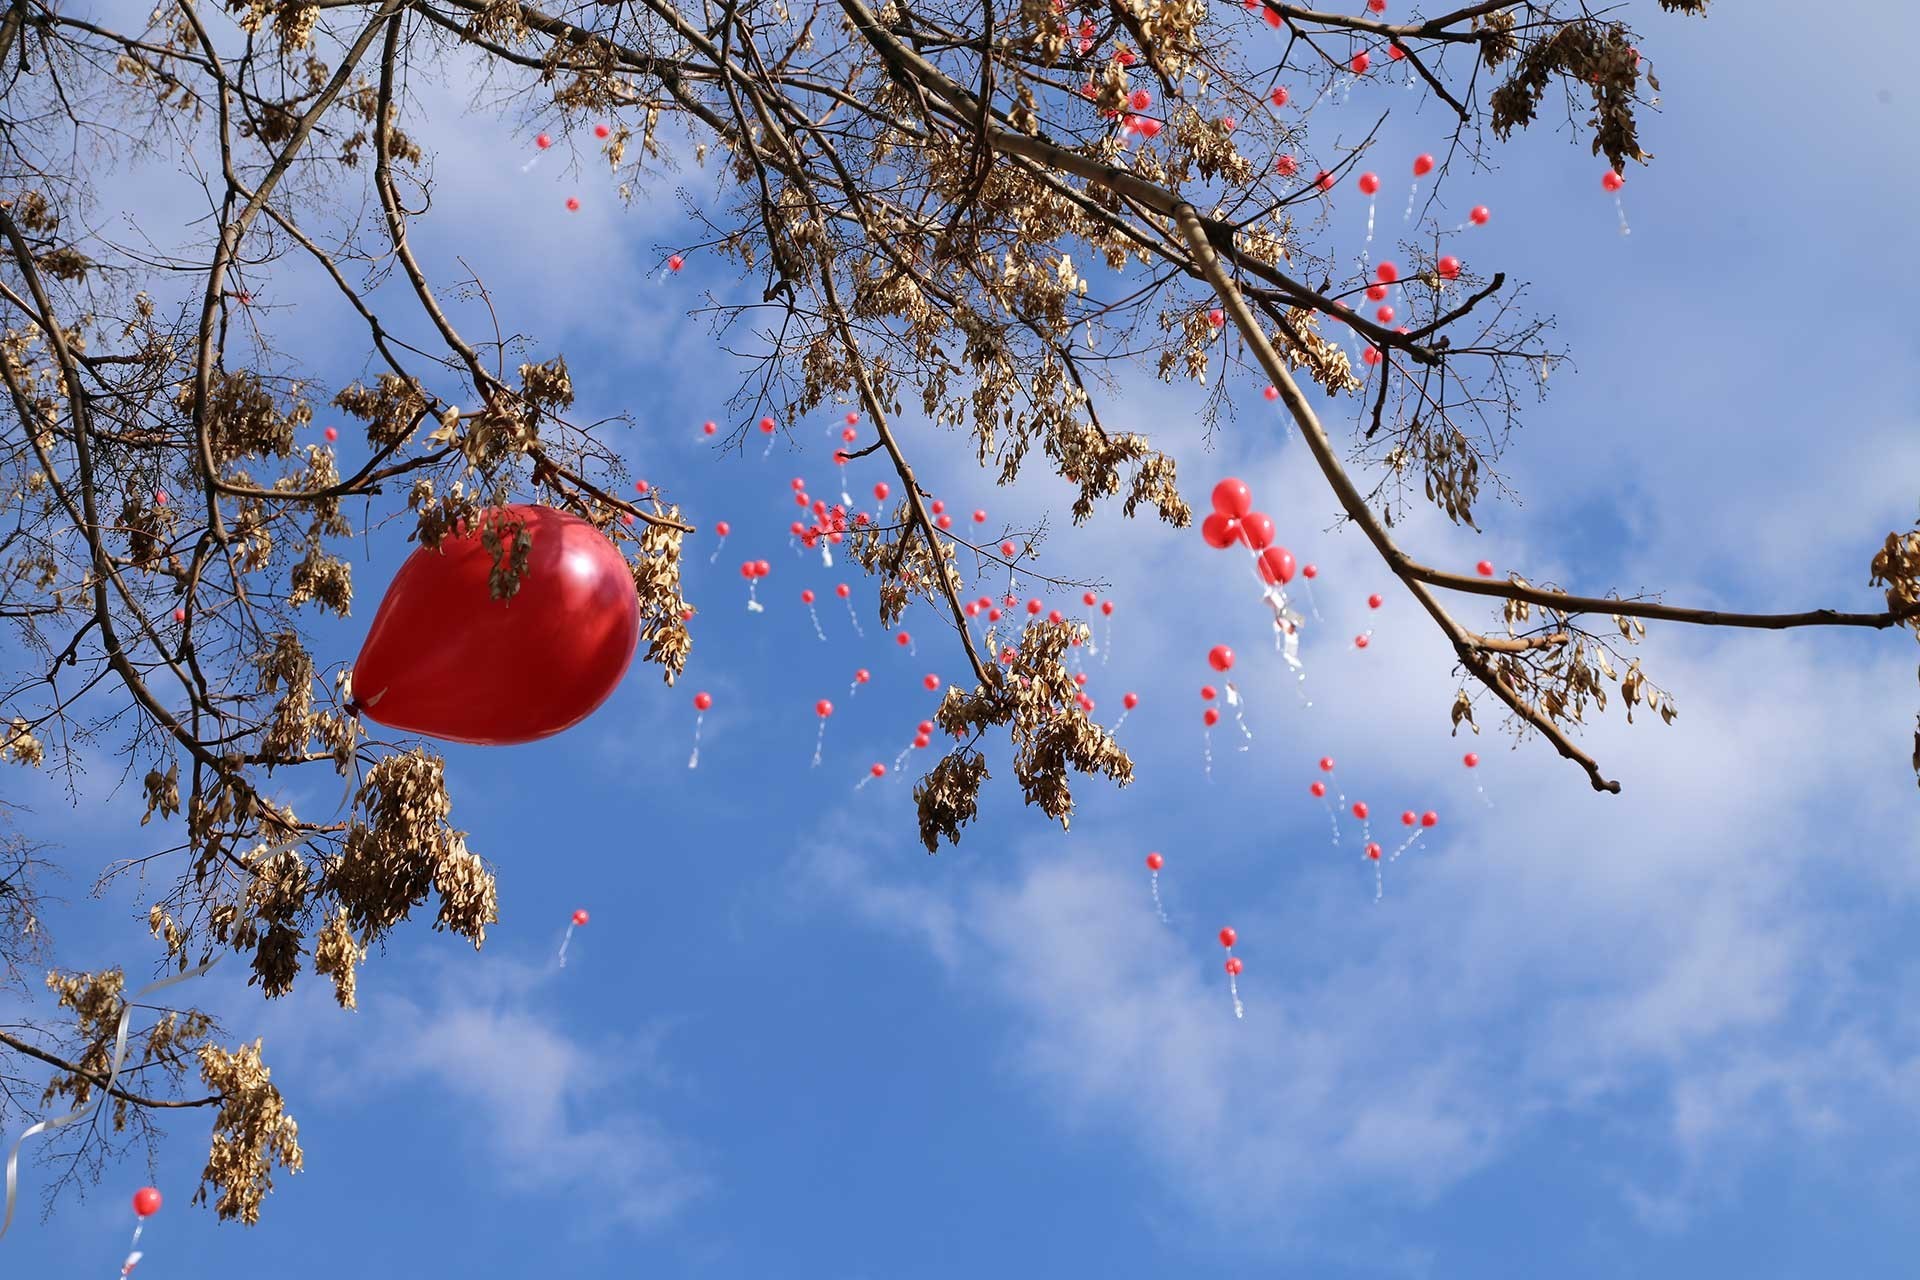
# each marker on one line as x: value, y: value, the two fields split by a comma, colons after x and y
x: 962, y: 206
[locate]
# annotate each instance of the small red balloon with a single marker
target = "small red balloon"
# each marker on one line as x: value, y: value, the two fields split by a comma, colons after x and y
x: 1449, y: 268
x: 1429, y: 818
x: 878, y: 770
x: 932, y: 682
x: 1326, y: 764
x: 1211, y: 716
x: 1422, y: 166
x: 903, y: 639
x: 1311, y: 571
x: 1386, y: 273
x: 1279, y: 96
x: 1220, y: 658
x: 1369, y: 184
x: 1409, y: 818
x: 1228, y: 937
x: 1155, y: 862
x: 1484, y: 568
x: 146, y: 1202
x: 823, y: 708
x: 1471, y: 760
x: 445, y: 659
x: 1360, y: 64
x: 331, y: 433
x: 1130, y: 701
x: 580, y: 916
x: 1374, y: 602
x: 1207, y: 693
x: 1318, y: 788
x: 702, y: 701
x: 861, y: 676
x: 1360, y: 809
x: 1360, y: 641
x: 1373, y: 851
x: 1480, y: 215
x: 1612, y: 181
x: 1234, y: 966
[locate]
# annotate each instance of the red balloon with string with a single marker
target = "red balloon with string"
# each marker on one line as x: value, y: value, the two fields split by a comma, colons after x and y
x: 446, y: 660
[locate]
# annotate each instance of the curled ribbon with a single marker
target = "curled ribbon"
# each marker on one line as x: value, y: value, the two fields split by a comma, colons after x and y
x: 106, y: 1090
x: 120, y: 1043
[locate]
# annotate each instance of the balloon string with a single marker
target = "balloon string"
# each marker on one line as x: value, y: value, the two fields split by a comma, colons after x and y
x: 1406, y: 844
x: 1379, y: 882
x: 564, y: 940
x: 855, y: 618
x: 1106, y: 642
x: 1117, y: 723
x: 529, y: 164
x: 1333, y: 816
x: 1239, y: 716
x: 819, y: 742
x: 1367, y: 248
x: 826, y: 553
x: 864, y: 780
x: 133, y: 1249
x: 716, y: 549
x: 1233, y: 986
x: 900, y: 760
x: 1208, y: 737
x: 913, y: 650
x: 693, y: 761
x: 768, y: 451
x: 105, y: 1091
x: 1412, y: 195
x: 1621, y: 209
x: 814, y: 614
x: 120, y: 1033
x: 1485, y: 799
x: 753, y: 601
x: 1311, y: 602
x: 1156, y: 899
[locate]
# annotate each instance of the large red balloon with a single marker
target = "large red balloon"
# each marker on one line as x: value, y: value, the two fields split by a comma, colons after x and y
x: 1231, y: 497
x: 1276, y: 565
x: 1220, y: 531
x: 1257, y: 529
x: 445, y: 659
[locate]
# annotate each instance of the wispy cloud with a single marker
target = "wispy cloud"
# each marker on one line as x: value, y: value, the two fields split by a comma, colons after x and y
x: 551, y: 1111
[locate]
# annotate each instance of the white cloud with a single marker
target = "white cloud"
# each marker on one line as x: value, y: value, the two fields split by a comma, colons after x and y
x: 551, y: 1111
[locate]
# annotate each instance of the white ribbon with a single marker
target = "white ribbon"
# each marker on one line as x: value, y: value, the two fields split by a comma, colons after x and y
x: 120, y: 1043
x: 105, y: 1091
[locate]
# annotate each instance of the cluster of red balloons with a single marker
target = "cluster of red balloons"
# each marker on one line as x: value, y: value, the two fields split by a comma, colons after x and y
x: 1233, y: 519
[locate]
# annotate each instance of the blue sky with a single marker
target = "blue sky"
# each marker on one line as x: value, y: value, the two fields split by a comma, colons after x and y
x: 1660, y: 1034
